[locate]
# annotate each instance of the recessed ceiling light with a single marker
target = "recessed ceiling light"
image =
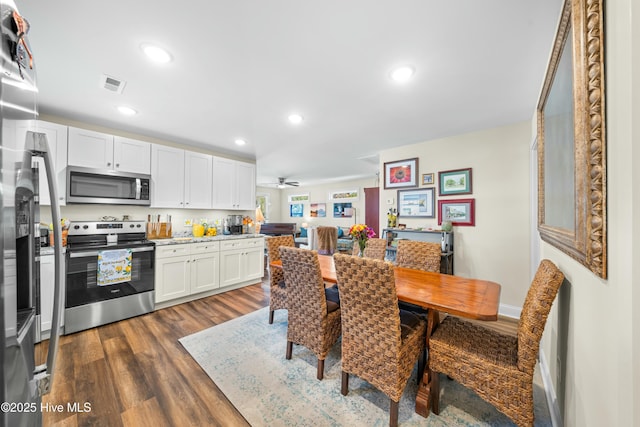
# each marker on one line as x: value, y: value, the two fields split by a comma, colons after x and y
x: 295, y: 118
x: 240, y: 142
x: 402, y: 74
x: 127, y: 111
x: 156, y: 54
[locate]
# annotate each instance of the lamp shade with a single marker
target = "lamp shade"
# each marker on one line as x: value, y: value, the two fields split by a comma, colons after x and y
x: 259, y: 215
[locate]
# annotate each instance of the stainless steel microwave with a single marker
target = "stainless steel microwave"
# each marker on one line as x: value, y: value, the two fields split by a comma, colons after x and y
x: 87, y: 185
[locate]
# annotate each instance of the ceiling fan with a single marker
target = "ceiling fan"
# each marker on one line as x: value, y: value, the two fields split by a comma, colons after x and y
x: 282, y: 183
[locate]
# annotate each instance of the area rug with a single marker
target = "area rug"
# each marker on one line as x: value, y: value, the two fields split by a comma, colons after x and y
x: 245, y: 358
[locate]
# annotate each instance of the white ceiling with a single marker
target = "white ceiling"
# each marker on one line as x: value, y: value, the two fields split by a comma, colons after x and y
x: 241, y: 67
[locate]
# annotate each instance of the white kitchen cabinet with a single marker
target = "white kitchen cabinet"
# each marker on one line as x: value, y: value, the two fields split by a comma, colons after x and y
x: 167, y: 177
x: 131, y: 155
x: 205, y: 267
x: 186, y: 269
x: 241, y: 260
x: 197, y: 180
x: 234, y: 184
x: 90, y: 149
x: 99, y: 150
x: 173, y: 272
x: 57, y: 139
x: 180, y: 179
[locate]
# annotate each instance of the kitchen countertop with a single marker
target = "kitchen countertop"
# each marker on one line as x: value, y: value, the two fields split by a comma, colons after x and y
x: 182, y: 240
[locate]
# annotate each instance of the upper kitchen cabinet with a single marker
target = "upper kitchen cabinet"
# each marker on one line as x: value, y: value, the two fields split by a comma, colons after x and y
x: 180, y: 179
x: 234, y: 184
x: 57, y: 139
x: 98, y: 150
x: 130, y: 155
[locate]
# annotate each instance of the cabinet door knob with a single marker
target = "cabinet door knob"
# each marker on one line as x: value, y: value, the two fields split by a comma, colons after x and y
x: 117, y: 165
x: 108, y: 163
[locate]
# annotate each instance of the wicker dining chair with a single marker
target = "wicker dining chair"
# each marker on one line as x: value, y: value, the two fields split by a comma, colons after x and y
x: 380, y: 342
x: 375, y: 248
x: 314, y: 322
x: 419, y: 255
x: 277, y: 289
x: 497, y: 367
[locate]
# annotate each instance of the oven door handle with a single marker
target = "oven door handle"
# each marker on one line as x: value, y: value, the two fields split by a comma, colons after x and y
x: 86, y: 254
x: 43, y: 374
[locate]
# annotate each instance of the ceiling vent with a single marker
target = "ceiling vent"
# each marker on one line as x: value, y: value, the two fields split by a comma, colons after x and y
x: 112, y: 84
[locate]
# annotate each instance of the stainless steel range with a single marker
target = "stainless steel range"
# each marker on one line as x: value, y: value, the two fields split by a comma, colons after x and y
x: 110, y: 273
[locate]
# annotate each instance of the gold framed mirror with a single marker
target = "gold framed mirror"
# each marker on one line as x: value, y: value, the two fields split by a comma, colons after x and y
x: 571, y: 139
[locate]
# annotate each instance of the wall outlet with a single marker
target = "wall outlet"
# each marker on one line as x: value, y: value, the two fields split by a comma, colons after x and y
x: 390, y: 201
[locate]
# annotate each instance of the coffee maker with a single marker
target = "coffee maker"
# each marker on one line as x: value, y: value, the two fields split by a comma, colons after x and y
x: 235, y: 224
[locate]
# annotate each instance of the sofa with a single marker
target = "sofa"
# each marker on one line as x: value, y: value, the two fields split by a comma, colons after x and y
x: 345, y: 242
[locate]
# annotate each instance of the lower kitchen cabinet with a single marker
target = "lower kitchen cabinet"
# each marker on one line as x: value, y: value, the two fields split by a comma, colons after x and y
x: 183, y: 270
x: 241, y: 260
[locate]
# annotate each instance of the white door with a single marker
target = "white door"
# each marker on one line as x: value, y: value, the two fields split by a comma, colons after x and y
x: 198, y: 177
x: 130, y: 155
x: 246, y: 186
x: 254, y: 263
x: 205, y: 270
x: 167, y: 177
x: 231, y: 267
x: 90, y: 149
x: 173, y: 277
x: 224, y: 183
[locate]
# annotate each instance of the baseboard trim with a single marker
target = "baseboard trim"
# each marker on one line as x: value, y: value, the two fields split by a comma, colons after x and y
x: 550, y: 393
x: 509, y: 311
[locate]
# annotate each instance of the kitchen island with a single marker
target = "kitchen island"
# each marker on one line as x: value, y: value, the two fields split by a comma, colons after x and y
x: 189, y: 268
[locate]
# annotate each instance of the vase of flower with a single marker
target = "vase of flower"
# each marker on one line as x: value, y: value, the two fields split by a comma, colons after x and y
x: 361, y: 233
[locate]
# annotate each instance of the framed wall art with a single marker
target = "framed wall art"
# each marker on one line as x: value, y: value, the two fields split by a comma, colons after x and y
x: 318, y: 210
x: 343, y: 195
x: 572, y: 168
x: 296, y: 210
x: 297, y: 198
x: 427, y: 179
x: 459, y: 212
x: 342, y: 210
x: 401, y: 173
x: 417, y: 203
x: 455, y: 182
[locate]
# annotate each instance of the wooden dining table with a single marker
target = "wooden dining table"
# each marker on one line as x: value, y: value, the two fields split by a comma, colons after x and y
x: 437, y: 292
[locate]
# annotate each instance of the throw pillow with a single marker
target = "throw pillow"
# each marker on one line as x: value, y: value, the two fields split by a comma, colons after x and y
x: 303, y: 232
x: 340, y: 232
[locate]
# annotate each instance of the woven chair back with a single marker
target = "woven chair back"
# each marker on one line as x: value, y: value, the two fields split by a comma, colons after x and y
x: 306, y: 299
x: 419, y: 255
x: 274, y: 243
x: 375, y: 248
x: 537, y: 304
x: 371, y: 333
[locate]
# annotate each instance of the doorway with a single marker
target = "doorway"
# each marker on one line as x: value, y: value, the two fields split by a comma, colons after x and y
x: 372, y: 208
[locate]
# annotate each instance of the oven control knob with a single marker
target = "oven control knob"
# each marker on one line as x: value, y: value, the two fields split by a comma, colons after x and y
x: 76, y: 227
x: 131, y: 226
x: 86, y: 227
x: 138, y: 225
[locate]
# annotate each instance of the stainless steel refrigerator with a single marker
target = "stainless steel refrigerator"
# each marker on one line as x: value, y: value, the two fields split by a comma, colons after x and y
x: 22, y: 382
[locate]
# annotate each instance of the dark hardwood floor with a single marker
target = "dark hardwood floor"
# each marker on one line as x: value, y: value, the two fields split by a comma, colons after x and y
x: 136, y: 373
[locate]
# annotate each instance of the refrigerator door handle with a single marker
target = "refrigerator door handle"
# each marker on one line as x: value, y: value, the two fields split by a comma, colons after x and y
x: 43, y: 375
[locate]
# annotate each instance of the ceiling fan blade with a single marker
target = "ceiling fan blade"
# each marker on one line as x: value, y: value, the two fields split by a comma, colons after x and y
x: 293, y: 183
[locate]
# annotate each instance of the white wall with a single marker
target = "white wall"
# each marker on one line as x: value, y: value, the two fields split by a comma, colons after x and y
x: 593, y: 343
x: 320, y: 194
x: 497, y: 247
